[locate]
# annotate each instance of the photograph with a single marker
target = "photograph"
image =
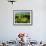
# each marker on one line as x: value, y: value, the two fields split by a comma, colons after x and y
x: 22, y: 17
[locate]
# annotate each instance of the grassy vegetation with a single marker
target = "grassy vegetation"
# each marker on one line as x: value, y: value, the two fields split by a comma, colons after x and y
x: 22, y: 17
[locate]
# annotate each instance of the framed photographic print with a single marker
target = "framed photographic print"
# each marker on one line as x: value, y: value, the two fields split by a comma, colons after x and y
x: 22, y: 17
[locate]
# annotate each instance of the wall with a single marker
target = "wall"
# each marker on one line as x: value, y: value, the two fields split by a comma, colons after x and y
x: 37, y: 31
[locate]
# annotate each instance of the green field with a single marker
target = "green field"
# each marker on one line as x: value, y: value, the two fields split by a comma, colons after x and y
x: 22, y: 17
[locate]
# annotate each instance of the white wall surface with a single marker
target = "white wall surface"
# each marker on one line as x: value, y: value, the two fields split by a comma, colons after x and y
x: 8, y: 31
